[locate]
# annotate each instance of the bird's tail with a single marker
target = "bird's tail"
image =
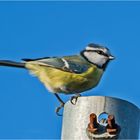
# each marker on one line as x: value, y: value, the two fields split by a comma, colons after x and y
x: 12, y: 64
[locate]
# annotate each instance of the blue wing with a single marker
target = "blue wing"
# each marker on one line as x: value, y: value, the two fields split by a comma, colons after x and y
x: 74, y: 64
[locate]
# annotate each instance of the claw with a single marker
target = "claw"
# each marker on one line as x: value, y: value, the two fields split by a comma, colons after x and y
x: 58, y: 109
x: 74, y: 99
x: 61, y: 104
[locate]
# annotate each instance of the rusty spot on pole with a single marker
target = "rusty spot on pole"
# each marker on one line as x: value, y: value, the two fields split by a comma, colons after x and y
x: 93, y: 124
x: 112, y: 127
x: 99, y: 130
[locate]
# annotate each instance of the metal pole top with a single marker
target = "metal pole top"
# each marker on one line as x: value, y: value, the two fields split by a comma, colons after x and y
x: 100, y: 117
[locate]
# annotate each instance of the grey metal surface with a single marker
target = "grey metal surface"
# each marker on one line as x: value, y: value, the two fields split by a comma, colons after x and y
x: 76, y: 117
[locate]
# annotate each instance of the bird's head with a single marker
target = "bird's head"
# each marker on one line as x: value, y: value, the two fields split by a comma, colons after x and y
x: 97, y: 55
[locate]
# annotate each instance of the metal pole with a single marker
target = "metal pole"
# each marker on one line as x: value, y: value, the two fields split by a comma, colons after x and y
x: 99, y: 117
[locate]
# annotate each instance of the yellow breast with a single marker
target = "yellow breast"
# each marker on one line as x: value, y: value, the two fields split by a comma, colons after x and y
x: 58, y: 81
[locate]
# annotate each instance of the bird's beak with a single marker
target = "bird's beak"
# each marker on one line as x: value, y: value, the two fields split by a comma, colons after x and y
x: 111, y: 57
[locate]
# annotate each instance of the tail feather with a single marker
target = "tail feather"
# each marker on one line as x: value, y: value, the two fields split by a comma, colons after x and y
x: 12, y: 64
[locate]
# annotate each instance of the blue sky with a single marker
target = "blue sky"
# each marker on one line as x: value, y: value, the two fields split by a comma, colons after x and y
x: 38, y: 29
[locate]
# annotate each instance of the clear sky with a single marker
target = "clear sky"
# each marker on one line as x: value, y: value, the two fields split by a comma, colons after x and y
x: 39, y: 29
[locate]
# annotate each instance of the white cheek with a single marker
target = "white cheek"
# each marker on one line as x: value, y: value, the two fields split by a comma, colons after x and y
x: 96, y: 58
x: 100, y: 60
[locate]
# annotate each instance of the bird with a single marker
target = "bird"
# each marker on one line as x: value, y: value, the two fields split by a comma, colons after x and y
x: 72, y: 74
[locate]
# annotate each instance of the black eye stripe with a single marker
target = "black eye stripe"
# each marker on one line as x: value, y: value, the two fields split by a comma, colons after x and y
x: 97, y: 51
x: 100, y: 52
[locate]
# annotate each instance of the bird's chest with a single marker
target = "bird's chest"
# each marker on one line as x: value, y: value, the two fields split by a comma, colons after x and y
x: 65, y: 82
x: 76, y: 83
x: 92, y: 76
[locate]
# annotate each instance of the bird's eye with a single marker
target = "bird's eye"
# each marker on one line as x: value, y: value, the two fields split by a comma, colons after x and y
x: 99, y: 52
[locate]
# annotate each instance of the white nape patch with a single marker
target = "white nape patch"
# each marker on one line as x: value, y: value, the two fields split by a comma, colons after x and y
x: 95, y: 58
x: 65, y: 62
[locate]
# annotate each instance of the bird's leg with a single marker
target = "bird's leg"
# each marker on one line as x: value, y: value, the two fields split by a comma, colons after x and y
x: 73, y: 99
x: 61, y: 104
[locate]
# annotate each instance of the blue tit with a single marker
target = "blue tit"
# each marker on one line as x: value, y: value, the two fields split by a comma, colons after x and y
x: 69, y: 74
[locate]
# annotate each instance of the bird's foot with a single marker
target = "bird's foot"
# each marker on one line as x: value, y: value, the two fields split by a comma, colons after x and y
x: 61, y: 104
x: 59, y: 108
x: 74, y: 99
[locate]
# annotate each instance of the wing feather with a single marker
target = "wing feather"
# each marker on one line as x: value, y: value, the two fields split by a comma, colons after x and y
x: 74, y: 64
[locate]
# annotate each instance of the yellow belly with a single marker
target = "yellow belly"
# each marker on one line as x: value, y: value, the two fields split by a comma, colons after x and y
x: 58, y: 81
